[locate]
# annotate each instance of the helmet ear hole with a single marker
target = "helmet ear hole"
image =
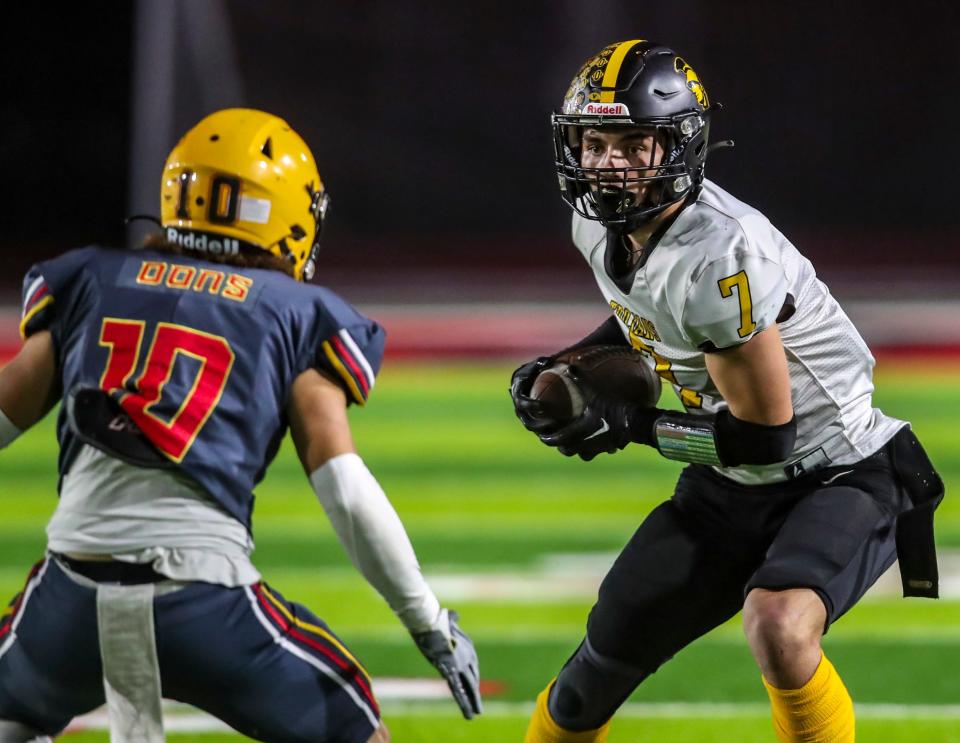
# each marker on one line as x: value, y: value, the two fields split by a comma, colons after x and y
x: 267, y: 148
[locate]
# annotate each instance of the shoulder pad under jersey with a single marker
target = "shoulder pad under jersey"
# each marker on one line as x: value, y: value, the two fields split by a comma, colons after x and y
x: 47, y: 286
x: 732, y: 299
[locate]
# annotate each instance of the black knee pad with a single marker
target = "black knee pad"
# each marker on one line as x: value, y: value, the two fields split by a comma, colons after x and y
x: 590, y: 688
x: 16, y: 732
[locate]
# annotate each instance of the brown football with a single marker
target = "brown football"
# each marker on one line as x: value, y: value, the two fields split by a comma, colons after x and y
x: 618, y: 371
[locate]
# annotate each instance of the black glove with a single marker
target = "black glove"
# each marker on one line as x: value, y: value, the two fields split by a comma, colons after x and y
x: 606, y: 425
x: 451, y: 652
x: 530, y: 411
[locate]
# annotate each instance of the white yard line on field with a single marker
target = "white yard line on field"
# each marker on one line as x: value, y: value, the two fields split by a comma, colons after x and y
x: 182, y: 719
x: 688, y: 710
x: 575, y: 576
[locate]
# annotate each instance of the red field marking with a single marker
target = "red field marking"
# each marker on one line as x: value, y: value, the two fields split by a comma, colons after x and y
x: 491, y: 687
x: 945, y: 354
x: 406, y: 349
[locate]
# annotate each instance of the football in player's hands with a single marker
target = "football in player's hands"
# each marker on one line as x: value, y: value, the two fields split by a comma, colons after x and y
x: 558, y: 393
x: 617, y: 372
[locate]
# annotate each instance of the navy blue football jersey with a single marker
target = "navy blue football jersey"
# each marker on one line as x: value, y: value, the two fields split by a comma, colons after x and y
x: 200, y: 355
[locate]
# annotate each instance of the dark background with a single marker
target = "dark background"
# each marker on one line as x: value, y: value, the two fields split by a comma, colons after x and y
x: 430, y: 123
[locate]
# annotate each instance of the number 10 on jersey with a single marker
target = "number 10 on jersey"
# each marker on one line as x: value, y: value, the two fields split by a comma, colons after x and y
x: 124, y: 338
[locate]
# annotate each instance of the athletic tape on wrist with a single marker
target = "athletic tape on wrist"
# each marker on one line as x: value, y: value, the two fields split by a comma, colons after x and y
x: 694, y: 442
x: 8, y: 431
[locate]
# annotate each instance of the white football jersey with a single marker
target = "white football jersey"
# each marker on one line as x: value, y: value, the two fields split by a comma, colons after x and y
x: 720, y: 274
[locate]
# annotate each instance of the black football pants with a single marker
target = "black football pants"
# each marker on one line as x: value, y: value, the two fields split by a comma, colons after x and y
x: 689, y: 566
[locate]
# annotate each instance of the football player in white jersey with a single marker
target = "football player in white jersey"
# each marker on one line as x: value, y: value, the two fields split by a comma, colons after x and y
x: 798, y: 493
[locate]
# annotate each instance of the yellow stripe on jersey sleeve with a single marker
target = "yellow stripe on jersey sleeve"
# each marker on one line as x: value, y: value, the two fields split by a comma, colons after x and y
x: 342, y: 371
x: 45, y: 302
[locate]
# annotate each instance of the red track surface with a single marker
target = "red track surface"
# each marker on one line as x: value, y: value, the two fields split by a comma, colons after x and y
x: 490, y: 332
x: 416, y: 352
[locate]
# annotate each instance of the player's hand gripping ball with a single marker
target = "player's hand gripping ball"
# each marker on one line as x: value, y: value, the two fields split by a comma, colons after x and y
x: 581, y: 402
x: 618, y: 372
x: 527, y: 409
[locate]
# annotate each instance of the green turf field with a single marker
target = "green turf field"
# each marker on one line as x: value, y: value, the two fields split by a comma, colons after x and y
x: 515, y: 536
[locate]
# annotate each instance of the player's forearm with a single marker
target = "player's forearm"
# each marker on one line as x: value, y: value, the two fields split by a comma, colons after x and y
x: 722, y: 439
x: 374, y: 538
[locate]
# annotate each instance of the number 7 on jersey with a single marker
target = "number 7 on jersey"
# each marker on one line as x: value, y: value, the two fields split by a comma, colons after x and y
x: 740, y: 282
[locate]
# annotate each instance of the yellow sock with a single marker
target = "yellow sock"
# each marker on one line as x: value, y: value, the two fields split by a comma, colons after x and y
x: 544, y: 729
x: 821, y: 711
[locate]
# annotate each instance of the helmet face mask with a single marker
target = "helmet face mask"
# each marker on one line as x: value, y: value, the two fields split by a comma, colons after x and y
x: 319, y: 203
x: 243, y: 181
x: 634, y: 85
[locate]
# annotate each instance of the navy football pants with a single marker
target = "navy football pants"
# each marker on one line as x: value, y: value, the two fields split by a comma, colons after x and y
x: 267, y: 667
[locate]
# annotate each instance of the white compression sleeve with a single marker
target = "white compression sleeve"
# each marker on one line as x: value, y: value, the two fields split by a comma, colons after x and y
x: 8, y: 431
x: 374, y: 538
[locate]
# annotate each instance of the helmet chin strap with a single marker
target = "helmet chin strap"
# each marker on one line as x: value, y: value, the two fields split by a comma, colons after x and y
x: 635, y: 221
x: 616, y: 201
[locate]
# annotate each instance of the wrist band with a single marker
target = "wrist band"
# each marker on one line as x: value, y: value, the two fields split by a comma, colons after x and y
x: 694, y: 442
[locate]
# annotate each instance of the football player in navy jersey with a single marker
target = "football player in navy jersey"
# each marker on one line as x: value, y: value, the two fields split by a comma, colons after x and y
x: 180, y: 368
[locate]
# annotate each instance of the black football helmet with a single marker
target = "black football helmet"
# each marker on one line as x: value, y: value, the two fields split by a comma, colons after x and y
x: 633, y: 84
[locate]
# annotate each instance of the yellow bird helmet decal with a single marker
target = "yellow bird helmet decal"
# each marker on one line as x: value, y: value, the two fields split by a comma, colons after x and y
x: 641, y: 84
x: 693, y: 82
x: 243, y: 180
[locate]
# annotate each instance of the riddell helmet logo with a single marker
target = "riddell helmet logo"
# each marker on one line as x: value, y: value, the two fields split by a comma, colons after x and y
x: 201, y: 243
x: 606, y: 109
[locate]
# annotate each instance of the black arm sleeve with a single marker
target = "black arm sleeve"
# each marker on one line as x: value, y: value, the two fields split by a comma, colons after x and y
x: 738, y: 441
x: 607, y: 334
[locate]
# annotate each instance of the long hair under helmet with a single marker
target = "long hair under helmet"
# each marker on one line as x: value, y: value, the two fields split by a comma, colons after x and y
x: 635, y: 84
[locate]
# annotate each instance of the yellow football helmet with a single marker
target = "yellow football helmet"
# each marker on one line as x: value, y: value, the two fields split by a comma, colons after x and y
x: 242, y: 179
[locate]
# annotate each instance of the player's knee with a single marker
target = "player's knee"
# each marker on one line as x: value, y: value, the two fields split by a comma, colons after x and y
x: 567, y: 700
x: 15, y: 732
x: 589, y: 690
x: 782, y: 622
x: 575, y: 706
